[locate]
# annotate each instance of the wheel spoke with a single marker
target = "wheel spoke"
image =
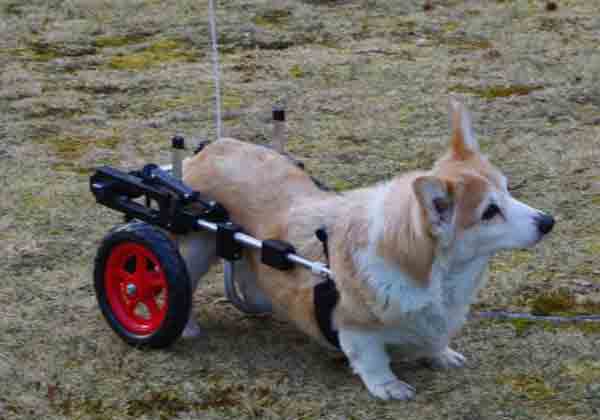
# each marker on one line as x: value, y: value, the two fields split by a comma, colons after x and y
x: 126, y: 276
x: 131, y: 305
x: 155, y: 282
x: 152, y: 307
x: 140, y: 264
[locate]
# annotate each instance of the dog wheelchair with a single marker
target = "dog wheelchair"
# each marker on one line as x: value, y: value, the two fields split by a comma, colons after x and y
x: 141, y: 280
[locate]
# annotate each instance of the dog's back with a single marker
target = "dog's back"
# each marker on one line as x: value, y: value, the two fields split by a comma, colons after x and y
x: 251, y: 181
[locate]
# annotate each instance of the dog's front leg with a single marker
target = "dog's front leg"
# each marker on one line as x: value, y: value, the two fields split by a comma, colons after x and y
x: 369, y: 359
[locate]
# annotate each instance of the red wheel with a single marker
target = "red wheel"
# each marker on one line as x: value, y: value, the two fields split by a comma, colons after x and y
x: 136, y: 288
x: 142, y: 285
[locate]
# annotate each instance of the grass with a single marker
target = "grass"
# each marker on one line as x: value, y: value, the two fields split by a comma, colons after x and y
x: 365, y: 85
x: 157, y: 53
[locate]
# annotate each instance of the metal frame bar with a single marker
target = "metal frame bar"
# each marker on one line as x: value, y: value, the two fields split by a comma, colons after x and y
x: 317, y: 268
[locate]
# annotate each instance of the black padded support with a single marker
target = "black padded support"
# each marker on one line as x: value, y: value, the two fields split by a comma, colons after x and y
x: 325, y: 297
x: 274, y: 254
x: 227, y: 247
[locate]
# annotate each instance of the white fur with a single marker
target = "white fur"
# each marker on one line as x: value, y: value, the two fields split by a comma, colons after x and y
x: 369, y: 359
x: 518, y: 229
x: 419, y: 320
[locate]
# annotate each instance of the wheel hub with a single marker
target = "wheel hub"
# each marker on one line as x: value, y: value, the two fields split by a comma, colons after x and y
x: 131, y: 290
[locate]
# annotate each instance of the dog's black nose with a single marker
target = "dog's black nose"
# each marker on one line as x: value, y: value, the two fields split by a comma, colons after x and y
x: 545, y: 223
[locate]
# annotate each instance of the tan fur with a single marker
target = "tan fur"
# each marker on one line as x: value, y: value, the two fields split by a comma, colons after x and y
x: 271, y: 198
x: 260, y: 189
x: 459, y: 149
x: 404, y: 225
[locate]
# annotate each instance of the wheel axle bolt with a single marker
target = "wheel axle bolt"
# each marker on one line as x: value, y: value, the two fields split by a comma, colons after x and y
x: 131, y: 289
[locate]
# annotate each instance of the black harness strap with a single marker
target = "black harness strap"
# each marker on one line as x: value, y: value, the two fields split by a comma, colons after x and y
x: 326, y: 296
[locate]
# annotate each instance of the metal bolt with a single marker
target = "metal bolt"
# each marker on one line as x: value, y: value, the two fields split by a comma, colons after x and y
x: 131, y: 289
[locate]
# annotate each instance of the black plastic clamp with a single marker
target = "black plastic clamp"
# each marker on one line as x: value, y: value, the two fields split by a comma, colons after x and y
x: 274, y: 254
x: 227, y: 247
x: 278, y: 113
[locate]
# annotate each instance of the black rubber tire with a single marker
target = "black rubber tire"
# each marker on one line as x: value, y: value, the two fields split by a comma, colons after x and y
x: 178, y: 283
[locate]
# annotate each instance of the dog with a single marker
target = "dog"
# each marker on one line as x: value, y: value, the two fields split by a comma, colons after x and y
x: 408, y: 255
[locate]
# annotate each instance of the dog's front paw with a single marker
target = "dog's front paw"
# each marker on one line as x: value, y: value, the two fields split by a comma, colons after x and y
x: 448, y: 359
x: 393, y: 390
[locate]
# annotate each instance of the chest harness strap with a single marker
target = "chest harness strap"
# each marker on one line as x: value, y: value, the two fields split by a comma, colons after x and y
x: 326, y: 297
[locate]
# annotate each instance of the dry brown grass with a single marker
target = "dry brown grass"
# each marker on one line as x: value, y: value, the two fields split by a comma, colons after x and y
x: 86, y: 82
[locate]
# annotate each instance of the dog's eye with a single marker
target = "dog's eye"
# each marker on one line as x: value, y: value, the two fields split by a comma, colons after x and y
x: 490, y: 212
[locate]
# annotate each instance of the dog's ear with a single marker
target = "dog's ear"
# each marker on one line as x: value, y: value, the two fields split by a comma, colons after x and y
x: 463, y: 143
x: 437, y: 197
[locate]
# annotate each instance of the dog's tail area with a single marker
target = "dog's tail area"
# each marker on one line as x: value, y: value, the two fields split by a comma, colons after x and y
x: 201, y: 145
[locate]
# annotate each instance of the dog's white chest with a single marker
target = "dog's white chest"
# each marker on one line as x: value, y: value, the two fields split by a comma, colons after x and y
x: 422, y: 319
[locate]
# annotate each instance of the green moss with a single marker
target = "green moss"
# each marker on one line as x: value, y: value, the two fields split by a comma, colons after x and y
x: 231, y: 101
x: 44, y: 52
x: 533, y: 387
x: 35, y: 200
x: 451, y: 26
x: 72, y: 148
x: 132, y: 62
x: 494, y: 91
x: 161, y: 405
x: 68, y: 148
x: 168, y: 403
x: 558, y: 302
x: 296, y: 71
x: 588, y: 328
x: 541, y: 274
x: 524, y: 326
x: 164, y: 51
x: 511, y: 261
x: 181, y: 101
x: 164, y: 46
x: 467, y: 44
x: 385, y: 25
x: 71, y: 167
x: 562, y: 302
x: 13, y: 7
x: 593, y: 246
x: 35, y: 54
x: 458, y: 71
x: 473, y: 12
x: 83, y: 408
x: 341, y: 185
x: 584, y: 371
x: 114, y: 41
x: 272, y: 17
x: 550, y: 24
x: 521, y: 326
x: 165, y: 404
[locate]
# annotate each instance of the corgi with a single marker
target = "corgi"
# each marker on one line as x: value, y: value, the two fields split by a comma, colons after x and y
x: 408, y: 255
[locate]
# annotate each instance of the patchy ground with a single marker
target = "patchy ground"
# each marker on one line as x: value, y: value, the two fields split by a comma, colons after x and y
x: 89, y: 82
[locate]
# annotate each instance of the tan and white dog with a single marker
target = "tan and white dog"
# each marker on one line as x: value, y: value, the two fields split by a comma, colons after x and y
x: 408, y: 255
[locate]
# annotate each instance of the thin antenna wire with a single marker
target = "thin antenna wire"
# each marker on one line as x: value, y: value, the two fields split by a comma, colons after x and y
x: 215, y: 60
